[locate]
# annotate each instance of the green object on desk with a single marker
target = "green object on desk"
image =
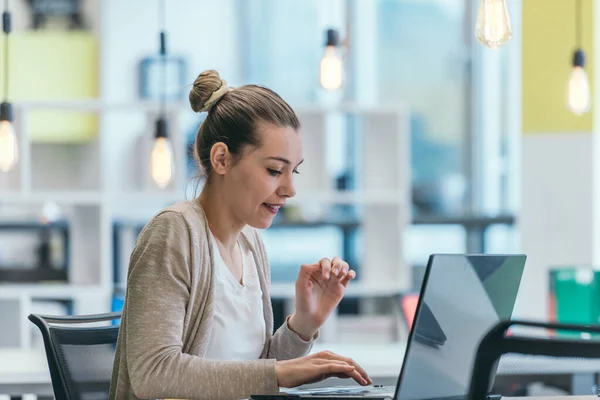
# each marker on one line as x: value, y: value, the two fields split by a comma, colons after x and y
x: 575, y: 296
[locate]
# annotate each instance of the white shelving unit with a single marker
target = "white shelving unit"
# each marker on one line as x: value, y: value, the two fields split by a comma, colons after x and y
x: 104, y: 179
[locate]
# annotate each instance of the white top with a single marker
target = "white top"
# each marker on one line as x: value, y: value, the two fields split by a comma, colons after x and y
x: 238, y: 330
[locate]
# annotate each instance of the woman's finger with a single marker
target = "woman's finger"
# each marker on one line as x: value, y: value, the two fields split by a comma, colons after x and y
x: 325, y: 264
x: 328, y: 355
x: 309, y: 268
x: 348, y: 277
x: 337, y: 264
x: 363, y: 374
x: 333, y: 368
x: 345, y: 269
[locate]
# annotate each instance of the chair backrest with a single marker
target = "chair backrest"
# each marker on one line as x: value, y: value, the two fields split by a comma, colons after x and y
x: 80, y: 357
x: 569, y: 343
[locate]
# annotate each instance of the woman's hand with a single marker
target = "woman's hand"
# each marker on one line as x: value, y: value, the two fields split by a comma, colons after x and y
x: 319, y: 289
x: 317, y: 367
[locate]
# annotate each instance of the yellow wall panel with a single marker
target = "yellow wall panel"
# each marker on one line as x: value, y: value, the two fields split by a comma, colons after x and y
x: 549, y: 39
x: 54, y: 66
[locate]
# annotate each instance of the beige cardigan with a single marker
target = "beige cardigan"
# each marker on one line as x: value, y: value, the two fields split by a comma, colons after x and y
x: 168, y: 314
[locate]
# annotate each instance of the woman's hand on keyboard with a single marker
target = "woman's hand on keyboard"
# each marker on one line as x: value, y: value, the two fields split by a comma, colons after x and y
x: 317, y: 367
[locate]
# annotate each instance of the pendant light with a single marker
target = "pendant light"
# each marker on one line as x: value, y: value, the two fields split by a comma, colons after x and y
x: 331, y: 63
x: 578, y: 97
x: 493, y: 28
x: 9, y: 151
x: 161, y: 159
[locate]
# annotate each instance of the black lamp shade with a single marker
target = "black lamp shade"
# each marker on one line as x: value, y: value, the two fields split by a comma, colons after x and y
x: 161, y: 128
x: 6, y: 113
x: 333, y: 38
x: 579, y: 58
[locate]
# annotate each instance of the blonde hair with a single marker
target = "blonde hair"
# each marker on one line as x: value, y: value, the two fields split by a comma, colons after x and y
x: 234, y: 115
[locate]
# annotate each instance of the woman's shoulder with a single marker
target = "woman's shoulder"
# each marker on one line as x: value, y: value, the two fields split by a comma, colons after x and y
x: 185, y: 217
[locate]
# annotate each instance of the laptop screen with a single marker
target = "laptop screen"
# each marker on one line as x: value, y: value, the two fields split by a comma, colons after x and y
x: 462, y: 297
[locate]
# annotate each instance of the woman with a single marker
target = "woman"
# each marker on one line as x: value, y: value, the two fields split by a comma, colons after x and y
x: 197, y: 320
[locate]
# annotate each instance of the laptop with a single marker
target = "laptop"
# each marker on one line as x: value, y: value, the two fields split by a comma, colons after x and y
x: 462, y: 296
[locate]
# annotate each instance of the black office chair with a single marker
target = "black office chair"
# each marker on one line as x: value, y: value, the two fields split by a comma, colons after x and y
x: 499, y: 341
x: 80, y: 358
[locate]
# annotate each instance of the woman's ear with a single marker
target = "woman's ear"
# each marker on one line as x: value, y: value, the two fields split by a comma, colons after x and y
x: 220, y: 158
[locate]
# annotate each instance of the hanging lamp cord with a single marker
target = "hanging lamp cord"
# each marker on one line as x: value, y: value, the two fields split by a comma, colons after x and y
x: 163, y: 56
x: 578, y: 18
x: 6, y: 28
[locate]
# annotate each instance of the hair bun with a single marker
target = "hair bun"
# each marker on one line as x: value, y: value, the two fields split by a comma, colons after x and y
x: 208, y: 88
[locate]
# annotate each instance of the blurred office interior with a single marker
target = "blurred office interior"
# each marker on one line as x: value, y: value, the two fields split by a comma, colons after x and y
x: 425, y: 140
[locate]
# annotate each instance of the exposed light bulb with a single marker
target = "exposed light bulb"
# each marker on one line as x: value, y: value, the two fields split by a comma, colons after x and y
x: 493, y: 28
x: 579, y: 98
x: 331, y: 69
x: 331, y: 63
x: 161, y: 160
x: 9, y: 150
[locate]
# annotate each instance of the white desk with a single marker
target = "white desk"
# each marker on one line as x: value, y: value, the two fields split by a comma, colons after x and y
x: 384, y: 361
x: 26, y: 371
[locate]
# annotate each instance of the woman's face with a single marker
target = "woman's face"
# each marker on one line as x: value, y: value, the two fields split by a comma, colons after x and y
x: 263, y: 178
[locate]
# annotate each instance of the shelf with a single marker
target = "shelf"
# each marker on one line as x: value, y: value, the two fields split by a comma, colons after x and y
x: 31, y: 224
x: 62, y: 197
x: 346, y: 223
x: 372, y: 197
x: 471, y: 220
x: 55, y: 291
x: 148, y: 197
x: 37, y: 275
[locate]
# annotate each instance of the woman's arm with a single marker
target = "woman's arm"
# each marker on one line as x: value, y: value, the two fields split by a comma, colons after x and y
x: 158, y: 291
x: 287, y: 344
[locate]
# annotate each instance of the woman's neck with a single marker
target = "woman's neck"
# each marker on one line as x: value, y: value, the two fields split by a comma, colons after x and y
x: 221, y: 221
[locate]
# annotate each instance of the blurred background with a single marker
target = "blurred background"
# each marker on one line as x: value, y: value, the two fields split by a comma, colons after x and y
x: 419, y: 139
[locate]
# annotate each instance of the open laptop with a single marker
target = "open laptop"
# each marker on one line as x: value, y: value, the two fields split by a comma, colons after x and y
x: 462, y: 296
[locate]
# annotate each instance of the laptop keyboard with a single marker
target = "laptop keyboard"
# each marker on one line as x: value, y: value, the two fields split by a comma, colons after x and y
x: 347, y: 391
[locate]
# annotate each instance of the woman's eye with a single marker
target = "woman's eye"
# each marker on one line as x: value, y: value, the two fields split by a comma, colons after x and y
x: 273, y: 172
x: 296, y: 171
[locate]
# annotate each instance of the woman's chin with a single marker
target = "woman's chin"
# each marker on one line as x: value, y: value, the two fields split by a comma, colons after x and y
x: 264, y: 224
x: 261, y: 222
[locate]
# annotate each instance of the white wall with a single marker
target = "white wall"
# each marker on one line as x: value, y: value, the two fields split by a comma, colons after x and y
x: 204, y: 31
x: 556, y: 218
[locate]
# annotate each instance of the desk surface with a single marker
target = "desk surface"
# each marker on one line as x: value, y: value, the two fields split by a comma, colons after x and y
x: 24, y: 371
x: 20, y: 365
x: 20, y: 368
x: 385, y: 360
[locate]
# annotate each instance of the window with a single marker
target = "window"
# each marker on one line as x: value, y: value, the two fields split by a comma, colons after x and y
x: 422, y: 62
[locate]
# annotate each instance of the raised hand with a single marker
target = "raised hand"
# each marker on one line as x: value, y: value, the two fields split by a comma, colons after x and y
x: 319, y: 289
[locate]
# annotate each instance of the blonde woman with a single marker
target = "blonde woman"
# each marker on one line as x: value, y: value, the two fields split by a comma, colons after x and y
x: 197, y: 320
